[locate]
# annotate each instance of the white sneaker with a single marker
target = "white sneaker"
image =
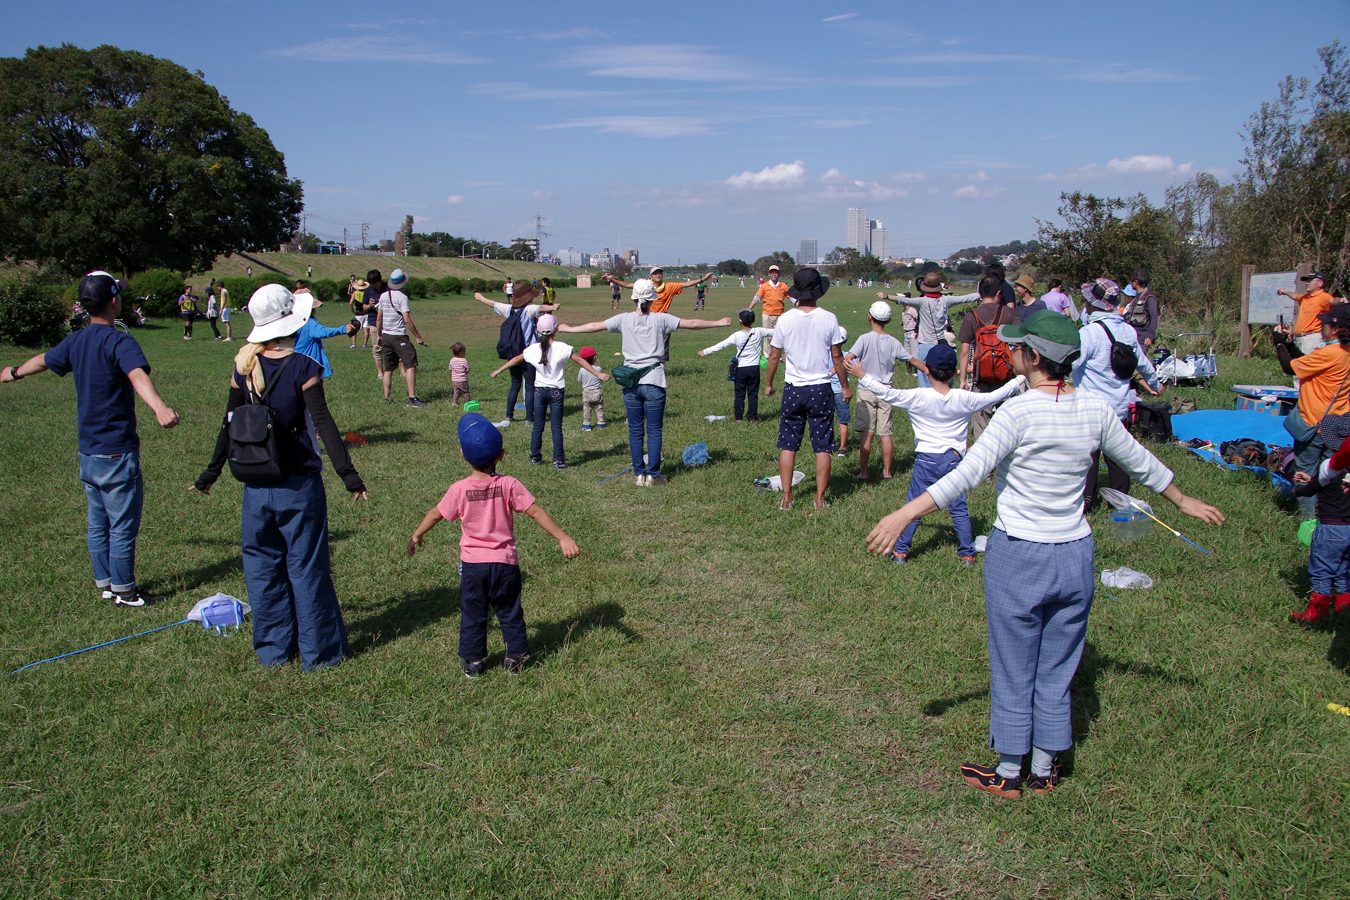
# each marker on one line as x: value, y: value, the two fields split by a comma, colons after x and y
x: 504, y: 423
x: 642, y: 481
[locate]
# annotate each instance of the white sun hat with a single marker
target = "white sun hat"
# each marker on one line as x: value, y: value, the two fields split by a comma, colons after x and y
x: 277, y: 313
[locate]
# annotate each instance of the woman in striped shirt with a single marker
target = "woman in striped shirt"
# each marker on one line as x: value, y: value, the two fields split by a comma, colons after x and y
x: 1038, y: 571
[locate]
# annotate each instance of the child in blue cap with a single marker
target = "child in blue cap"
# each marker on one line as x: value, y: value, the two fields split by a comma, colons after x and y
x: 485, y: 504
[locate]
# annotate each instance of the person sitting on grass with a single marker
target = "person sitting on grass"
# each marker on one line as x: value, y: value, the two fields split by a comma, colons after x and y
x: 1038, y: 570
x: 548, y: 358
x: 485, y: 504
x: 940, y: 416
x: 878, y: 352
x: 747, y: 342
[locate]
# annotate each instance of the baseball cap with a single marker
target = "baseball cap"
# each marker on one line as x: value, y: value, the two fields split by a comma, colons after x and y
x: 774, y: 269
x: 398, y: 278
x: 98, y: 289
x: 1129, y: 291
x: 587, y: 353
x: 479, y: 440
x: 941, y: 357
x: 546, y: 324
x: 656, y: 269
x: 1048, y: 333
x: 880, y: 311
x: 644, y: 291
x: 1311, y: 275
x: 1338, y: 315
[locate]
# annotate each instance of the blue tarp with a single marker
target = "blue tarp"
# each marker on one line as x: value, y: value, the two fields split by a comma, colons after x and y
x: 1219, y: 425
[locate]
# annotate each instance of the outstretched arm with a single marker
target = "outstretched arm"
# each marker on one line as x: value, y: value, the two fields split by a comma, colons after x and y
x: 569, y: 546
x: 32, y: 366
x: 623, y: 284
x: 697, y: 324
x: 481, y: 299
x: 429, y: 521
x: 589, y: 368
x: 145, y: 389
x: 513, y: 361
x: 706, y: 277
x: 588, y: 328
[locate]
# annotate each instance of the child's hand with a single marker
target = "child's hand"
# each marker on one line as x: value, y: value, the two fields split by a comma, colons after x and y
x: 1302, y: 478
x: 700, y: 354
x: 414, y: 545
x: 604, y: 376
x: 569, y: 547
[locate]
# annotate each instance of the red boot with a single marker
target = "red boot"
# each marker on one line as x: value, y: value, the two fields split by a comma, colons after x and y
x: 1342, y: 603
x: 1319, y: 605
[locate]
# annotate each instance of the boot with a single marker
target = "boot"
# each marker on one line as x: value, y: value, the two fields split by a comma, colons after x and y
x: 1319, y: 605
x: 1342, y: 603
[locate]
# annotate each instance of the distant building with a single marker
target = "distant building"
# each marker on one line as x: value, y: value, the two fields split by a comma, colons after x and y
x: 808, y: 254
x: 570, y: 257
x: 632, y: 257
x: 880, y: 241
x: 857, y: 231
x: 603, y: 260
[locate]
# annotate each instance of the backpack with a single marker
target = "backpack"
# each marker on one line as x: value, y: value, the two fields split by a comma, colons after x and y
x: 1153, y: 421
x: 993, y: 359
x: 1244, y: 452
x: 511, y: 342
x: 1123, y: 358
x: 252, y: 433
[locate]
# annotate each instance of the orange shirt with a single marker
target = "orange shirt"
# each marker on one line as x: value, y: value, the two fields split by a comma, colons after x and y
x: 772, y: 295
x: 1310, y: 306
x: 1321, y: 376
x: 665, y: 293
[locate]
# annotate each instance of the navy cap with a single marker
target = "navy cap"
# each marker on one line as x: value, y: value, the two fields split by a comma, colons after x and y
x: 480, y: 440
x: 1337, y: 317
x: 941, y: 357
x: 97, y: 289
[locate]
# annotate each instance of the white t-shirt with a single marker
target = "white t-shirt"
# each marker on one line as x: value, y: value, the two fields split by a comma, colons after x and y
x: 805, y: 334
x: 549, y: 373
x: 392, y: 306
x: 509, y: 288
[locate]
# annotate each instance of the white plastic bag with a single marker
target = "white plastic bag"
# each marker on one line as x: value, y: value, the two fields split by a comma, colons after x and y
x: 776, y: 482
x: 1125, y: 578
x: 981, y: 542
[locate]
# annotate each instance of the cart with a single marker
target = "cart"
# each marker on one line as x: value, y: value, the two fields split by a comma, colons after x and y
x: 1176, y: 366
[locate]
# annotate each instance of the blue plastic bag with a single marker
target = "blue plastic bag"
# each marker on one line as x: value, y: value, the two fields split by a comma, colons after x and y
x: 696, y: 454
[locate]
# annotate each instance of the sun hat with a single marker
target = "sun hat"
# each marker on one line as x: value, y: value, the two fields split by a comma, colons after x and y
x: 1101, y: 293
x: 1048, y: 333
x: 360, y: 284
x: 277, y: 313
x: 644, y: 291
x: 941, y: 357
x: 929, y: 284
x: 1027, y: 282
x: 546, y: 324
x: 880, y: 311
x: 98, y: 289
x: 398, y: 279
x: 808, y: 284
x: 479, y: 440
x: 587, y: 353
x: 523, y: 293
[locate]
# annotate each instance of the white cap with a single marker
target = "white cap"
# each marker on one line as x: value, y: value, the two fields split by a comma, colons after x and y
x: 880, y: 311
x: 843, y: 333
x: 774, y: 268
x: 277, y: 313
x: 644, y: 291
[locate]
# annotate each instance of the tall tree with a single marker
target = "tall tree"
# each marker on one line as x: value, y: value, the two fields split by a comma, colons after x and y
x: 734, y: 267
x: 787, y: 265
x: 118, y: 160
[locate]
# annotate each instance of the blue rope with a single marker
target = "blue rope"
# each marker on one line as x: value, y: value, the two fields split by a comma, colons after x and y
x: 96, y: 646
x: 615, y: 475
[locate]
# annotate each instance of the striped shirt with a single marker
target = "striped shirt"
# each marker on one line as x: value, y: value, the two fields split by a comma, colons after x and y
x: 1040, y: 447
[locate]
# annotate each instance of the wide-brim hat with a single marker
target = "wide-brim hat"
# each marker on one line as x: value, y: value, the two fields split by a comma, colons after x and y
x: 523, y: 293
x: 1110, y: 293
x: 926, y: 286
x: 277, y: 313
x: 360, y: 284
x: 808, y: 284
x: 1026, y: 282
x: 1048, y: 333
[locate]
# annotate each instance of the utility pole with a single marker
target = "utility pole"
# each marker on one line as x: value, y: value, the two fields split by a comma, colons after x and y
x: 539, y: 234
x: 365, y: 227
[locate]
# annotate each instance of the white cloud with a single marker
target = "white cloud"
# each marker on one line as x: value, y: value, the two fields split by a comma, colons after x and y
x: 904, y: 177
x: 841, y: 123
x: 454, y: 199
x: 981, y: 175
x: 834, y: 176
x: 674, y: 62
x: 1140, y: 164
x: 971, y: 192
x: 782, y: 175
x: 571, y: 34
x: 640, y: 126
x: 840, y: 18
x: 374, y: 48
x: 540, y: 195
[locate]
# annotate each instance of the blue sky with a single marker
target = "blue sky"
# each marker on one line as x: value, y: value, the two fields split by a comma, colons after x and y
x: 699, y: 131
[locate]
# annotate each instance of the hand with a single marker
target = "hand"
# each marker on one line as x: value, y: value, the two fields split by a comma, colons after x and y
x: 700, y: 354
x: 848, y: 394
x: 7, y: 374
x: 604, y: 376
x: 205, y: 492
x: 166, y: 417
x: 422, y: 342
x: 360, y: 495
x: 881, y: 295
x: 724, y: 321
x: 1198, y: 509
x: 414, y: 545
x: 881, y: 539
x: 570, y: 550
x: 768, y: 390
x: 493, y: 374
x: 853, y: 367
x: 1302, y: 478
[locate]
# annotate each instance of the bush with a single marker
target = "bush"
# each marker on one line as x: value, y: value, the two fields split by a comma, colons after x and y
x: 451, y: 285
x: 479, y: 285
x: 328, y: 290
x: 240, y: 289
x: 494, y: 285
x: 419, y: 288
x: 31, y: 313
x: 162, y: 286
x: 285, y: 281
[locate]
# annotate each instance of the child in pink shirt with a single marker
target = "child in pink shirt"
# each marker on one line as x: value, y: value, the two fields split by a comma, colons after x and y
x: 459, y: 374
x: 485, y: 504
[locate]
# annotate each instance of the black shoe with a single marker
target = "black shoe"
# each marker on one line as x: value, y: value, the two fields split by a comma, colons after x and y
x: 473, y: 668
x: 514, y: 665
x: 1044, y: 784
x: 413, y: 401
x: 987, y: 779
x: 387, y: 400
x: 137, y: 598
x: 560, y: 464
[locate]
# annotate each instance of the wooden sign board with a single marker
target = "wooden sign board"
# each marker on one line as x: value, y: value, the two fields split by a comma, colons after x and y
x: 583, y: 281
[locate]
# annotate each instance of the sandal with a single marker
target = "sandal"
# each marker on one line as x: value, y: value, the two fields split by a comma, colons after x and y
x: 783, y: 508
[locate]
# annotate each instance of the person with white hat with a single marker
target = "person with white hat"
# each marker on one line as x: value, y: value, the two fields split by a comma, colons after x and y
x: 393, y: 321
x: 645, y: 337
x: 933, y: 307
x: 287, y: 567
x: 774, y: 294
x: 517, y: 333
x: 878, y: 352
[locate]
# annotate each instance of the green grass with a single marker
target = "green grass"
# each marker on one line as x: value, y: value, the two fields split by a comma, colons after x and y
x: 340, y: 268
x: 725, y: 701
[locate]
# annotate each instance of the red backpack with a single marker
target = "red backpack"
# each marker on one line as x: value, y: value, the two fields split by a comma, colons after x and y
x: 993, y: 359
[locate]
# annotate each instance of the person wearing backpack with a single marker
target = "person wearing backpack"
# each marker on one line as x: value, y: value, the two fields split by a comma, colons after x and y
x: 287, y: 569
x: 985, y: 361
x: 517, y: 333
x: 1110, y: 356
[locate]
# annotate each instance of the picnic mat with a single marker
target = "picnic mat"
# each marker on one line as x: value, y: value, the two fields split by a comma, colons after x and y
x: 1219, y: 425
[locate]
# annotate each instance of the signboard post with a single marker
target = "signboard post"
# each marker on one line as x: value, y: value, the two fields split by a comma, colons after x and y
x: 583, y: 281
x: 1263, y: 305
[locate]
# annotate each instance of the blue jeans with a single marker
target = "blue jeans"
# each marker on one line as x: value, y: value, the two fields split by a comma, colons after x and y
x: 646, y: 406
x: 288, y: 574
x: 923, y: 357
x: 485, y: 588
x: 1329, y: 559
x: 116, y: 495
x: 522, y: 373
x: 929, y: 468
x: 548, y: 402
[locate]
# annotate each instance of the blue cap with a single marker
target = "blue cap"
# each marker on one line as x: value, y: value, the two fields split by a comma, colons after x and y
x: 1129, y: 291
x: 941, y: 357
x: 480, y: 440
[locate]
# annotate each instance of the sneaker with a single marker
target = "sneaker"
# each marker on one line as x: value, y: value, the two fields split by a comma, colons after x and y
x: 472, y: 668
x: 1044, y: 784
x: 642, y: 481
x: 656, y: 479
x: 967, y: 562
x: 229, y: 339
x: 137, y: 598
x: 504, y: 423
x: 585, y: 428
x: 413, y: 401
x: 987, y: 779
x: 513, y: 665
x: 560, y: 464
x: 899, y: 558
x: 387, y: 400
x: 537, y: 462
x: 352, y: 347
x: 601, y: 425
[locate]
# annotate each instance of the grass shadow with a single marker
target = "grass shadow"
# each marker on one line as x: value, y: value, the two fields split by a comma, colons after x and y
x: 412, y: 612
x: 1297, y: 580
x: 192, y: 579
x: 551, y: 637
x: 1338, y: 654
x: 1085, y: 703
x: 940, y: 707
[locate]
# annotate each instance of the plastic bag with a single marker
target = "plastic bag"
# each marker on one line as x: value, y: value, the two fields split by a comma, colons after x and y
x: 775, y: 483
x: 220, y: 613
x: 696, y: 454
x: 1125, y: 578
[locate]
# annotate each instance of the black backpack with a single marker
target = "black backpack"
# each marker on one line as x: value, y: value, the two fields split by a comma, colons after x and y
x: 511, y: 342
x: 1153, y: 421
x: 1123, y: 359
x: 254, y: 455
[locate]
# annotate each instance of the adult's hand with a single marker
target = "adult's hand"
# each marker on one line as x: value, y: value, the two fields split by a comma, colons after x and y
x: 768, y: 390
x: 604, y: 376
x: 205, y: 492
x: 166, y: 417
x: 360, y: 495
x: 882, y: 295
x: 422, y: 342
x: 881, y: 539
x: 848, y: 394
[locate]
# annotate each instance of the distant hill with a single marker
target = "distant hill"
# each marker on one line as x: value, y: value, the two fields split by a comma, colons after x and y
x: 988, y: 254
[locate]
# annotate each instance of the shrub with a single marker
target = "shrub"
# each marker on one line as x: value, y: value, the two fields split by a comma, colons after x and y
x: 162, y: 286
x: 328, y: 290
x: 240, y: 289
x: 495, y: 285
x: 451, y: 285
x: 479, y: 285
x: 31, y: 313
x: 285, y: 281
x: 419, y: 288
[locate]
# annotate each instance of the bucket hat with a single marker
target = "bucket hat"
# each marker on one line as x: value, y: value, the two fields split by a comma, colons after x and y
x: 808, y: 284
x: 1048, y: 333
x: 277, y: 313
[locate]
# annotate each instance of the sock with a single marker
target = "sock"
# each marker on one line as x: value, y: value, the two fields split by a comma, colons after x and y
x: 1041, y: 760
x: 1010, y: 765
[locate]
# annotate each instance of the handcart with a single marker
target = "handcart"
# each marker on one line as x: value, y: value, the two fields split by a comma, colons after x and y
x: 1176, y: 366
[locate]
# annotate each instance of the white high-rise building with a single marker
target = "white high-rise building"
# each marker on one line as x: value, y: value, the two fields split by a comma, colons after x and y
x: 881, y: 241
x: 808, y: 255
x: 858, y: 231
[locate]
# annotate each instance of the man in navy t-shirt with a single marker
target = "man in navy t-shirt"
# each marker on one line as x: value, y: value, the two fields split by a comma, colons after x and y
x: 109, y: 366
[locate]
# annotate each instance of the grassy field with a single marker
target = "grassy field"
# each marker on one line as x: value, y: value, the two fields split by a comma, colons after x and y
x: 724, y: 700
x: 340, y: 268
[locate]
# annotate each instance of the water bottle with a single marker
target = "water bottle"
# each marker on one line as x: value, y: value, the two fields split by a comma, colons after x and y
x: 1130, y: 525
x: 715, y: 418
